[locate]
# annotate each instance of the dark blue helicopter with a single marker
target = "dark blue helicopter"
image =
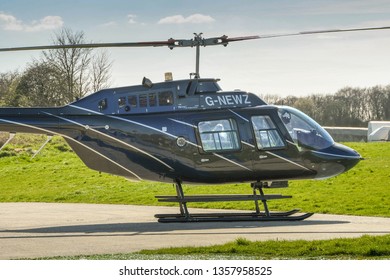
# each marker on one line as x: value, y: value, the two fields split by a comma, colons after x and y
x: 191, y: 131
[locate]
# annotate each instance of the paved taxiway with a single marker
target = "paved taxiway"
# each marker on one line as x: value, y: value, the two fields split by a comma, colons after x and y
x: 29, y: 230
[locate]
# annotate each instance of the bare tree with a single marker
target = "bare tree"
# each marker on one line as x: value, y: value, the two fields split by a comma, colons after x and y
x: 81, y: 70
x: 378, y: 98
x: 347, y: 107
x: 101, y: 66
x: 271, y: 98
x: 386, y: 104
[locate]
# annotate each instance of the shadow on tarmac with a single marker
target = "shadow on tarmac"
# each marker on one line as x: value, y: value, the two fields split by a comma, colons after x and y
x: 153, y: 228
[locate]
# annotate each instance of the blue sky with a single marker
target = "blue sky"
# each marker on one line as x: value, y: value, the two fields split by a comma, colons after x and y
x: 283, y: 66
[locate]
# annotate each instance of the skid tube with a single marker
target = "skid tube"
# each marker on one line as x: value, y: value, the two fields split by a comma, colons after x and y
x: 185, y: 216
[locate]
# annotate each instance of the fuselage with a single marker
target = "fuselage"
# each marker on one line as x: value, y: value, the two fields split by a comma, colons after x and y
x: 189, y: 131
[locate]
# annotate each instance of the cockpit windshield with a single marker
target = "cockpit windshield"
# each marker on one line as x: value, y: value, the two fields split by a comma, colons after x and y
x: 304, y: 130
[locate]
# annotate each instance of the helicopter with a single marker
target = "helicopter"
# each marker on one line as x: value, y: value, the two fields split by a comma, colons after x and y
x: 190, y: 131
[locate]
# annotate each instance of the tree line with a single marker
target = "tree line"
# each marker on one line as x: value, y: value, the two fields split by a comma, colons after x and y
x: 350, y: 106
x: 59, y: 77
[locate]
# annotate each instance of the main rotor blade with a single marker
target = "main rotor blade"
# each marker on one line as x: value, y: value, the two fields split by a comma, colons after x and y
x: 197, y: 41
x: 235, y: 39
x: 171, y: 43
x: 93, y: 45
x: 321, y: 32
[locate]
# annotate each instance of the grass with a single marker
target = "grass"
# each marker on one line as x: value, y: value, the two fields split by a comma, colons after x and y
x: 58, y: 175
x: 365, y: 248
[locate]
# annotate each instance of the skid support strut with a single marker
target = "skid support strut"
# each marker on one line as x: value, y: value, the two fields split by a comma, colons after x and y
x: 257, y: 196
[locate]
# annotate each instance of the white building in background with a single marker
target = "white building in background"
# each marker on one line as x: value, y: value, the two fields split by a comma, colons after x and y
x: 378, y: 131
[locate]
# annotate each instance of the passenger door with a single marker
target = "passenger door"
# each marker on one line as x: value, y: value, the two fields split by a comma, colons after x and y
x: 269, y: 143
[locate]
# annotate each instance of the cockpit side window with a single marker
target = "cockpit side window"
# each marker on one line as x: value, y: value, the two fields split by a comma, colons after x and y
x: 219, y: 135
x: 304, y: 130
x: 266, y: 133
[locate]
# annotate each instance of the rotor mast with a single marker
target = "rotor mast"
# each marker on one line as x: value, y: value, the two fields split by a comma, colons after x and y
x: 198, y: 38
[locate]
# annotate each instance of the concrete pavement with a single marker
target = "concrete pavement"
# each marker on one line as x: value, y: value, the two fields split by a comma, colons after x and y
x: 29, y: 230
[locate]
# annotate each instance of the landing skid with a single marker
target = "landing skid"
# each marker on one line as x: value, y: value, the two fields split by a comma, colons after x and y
x: 185, y: 216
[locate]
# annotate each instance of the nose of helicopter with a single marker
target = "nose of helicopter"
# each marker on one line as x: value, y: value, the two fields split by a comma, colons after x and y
x: 336, y: 159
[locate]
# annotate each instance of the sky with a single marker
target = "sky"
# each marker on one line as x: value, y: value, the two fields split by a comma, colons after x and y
x: 299, y: 65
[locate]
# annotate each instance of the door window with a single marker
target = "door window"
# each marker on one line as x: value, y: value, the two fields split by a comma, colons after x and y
x: 266, y: 133
x: 219, y: 135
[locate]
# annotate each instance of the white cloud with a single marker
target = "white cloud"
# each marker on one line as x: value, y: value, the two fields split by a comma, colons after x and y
x: 11, y: 23
x: 131, y: 19
x: 109, y: 24
x: 47, y: 23
x: 179, y: 19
